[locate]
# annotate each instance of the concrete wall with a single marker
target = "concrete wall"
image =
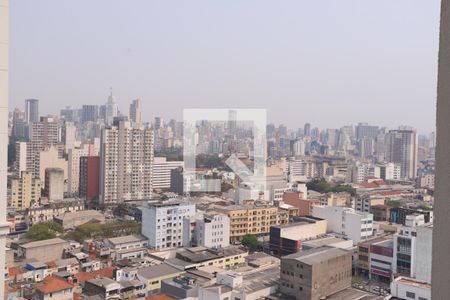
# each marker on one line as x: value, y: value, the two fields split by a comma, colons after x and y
x: 441, y: 240
x: 4, y: 48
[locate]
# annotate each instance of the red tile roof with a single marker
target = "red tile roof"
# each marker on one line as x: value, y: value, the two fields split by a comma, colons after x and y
x: 53, y: 284
x: 85, y: 276
x: 160, y: 297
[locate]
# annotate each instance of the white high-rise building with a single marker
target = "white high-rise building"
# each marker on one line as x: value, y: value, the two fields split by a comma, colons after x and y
x: 401, y: 148
x: 111, y: 109
x: 299, y: 148
x: 161, y: 172
x: 126, y: 163
x: 163, y: 223
x: 136, y: 112
x: 4, y: 48
x: 212, y: 231
x: 21, y: 158
x: 74, y: 155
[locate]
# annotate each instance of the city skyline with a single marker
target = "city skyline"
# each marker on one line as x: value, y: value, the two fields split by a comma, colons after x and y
x: 232, y: 60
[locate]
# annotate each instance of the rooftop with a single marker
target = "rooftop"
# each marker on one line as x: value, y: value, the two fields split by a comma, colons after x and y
x: 160, y: 270
x: 53, y: 284
x: 316, y: 255
x: 127, y: 239
x: 412, y: 282
x: 44, y: 243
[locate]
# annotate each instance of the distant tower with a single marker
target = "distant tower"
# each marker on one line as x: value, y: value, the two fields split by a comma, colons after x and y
x: 111, y: 109
x: 232, y: 122
x: 4, y: 47
x: 307, y: 130
x: 401, y: 148
x: 136, y: 112
x: 31, y: 111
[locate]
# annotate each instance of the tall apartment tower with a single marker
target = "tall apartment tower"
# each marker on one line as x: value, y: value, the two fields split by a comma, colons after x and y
x: 89, y: 113
x: 136, y: 112
x: 31, y: 111
x: 126, y: 163
x: 4, y: 48
x: 43, y: 134
x: 401, y: 148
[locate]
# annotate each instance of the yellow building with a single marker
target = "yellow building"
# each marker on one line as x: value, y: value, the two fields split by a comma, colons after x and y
x: 153, y: 275
x: 253, y: 219
x: 197, y: 257
x: 25, y: 191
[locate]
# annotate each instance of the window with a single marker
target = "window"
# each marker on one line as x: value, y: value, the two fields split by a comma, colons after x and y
x: 411, y: 295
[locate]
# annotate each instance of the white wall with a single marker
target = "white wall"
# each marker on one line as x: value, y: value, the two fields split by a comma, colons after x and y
x: 399, y: 289
x: 423, y: 254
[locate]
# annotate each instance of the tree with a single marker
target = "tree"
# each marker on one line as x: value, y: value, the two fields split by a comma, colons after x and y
x: 44, y: 231
x: 251, y: 242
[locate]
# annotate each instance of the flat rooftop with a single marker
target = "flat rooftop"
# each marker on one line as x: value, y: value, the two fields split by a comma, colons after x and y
x: 316, y: 255
x: 44, y: 243
x: 127, y: 239
x: 354, y: 294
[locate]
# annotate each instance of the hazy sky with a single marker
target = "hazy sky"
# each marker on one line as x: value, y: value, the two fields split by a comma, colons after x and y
x: 331, y: 62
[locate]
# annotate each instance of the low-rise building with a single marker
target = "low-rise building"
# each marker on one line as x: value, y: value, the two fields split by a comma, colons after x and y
x: 287, y: 239
x: 343, y: 220
x: 103, y: 287
x: 54, y: 288
x: 409, y: 288
x: 153, y: 276
x: 48, y: 212
x: 127, y: 242
x: 71, y: 220
x: 315, y: 274
x: 46, y: 250
x: 253, y: 219
x: 212, y: 231
x: 197, y: 257
x: 380, y: 212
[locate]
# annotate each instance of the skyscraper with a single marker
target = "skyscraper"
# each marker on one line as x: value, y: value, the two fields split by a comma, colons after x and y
x: 307, y: 129
x: 4, y: 48
x: 366, y: 130
x: 89, y: 113
x: 126, y: 163
x: 31, y: 110
x: 136, y: 112
x: 401, y: 148
x: 111, y: 109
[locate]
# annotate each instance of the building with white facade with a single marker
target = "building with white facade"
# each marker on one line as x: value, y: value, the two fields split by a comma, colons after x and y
x: 20, y: 164
x: 212, y: 231
x: 126, y: 157
x: 73, y: 162
x: 161, y: 171
x: 362, y: 172
x: 299, y: 170
x: 357, y: 226
x: 409, y: 288
x: 162, y: 223
x: 390, y: 171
